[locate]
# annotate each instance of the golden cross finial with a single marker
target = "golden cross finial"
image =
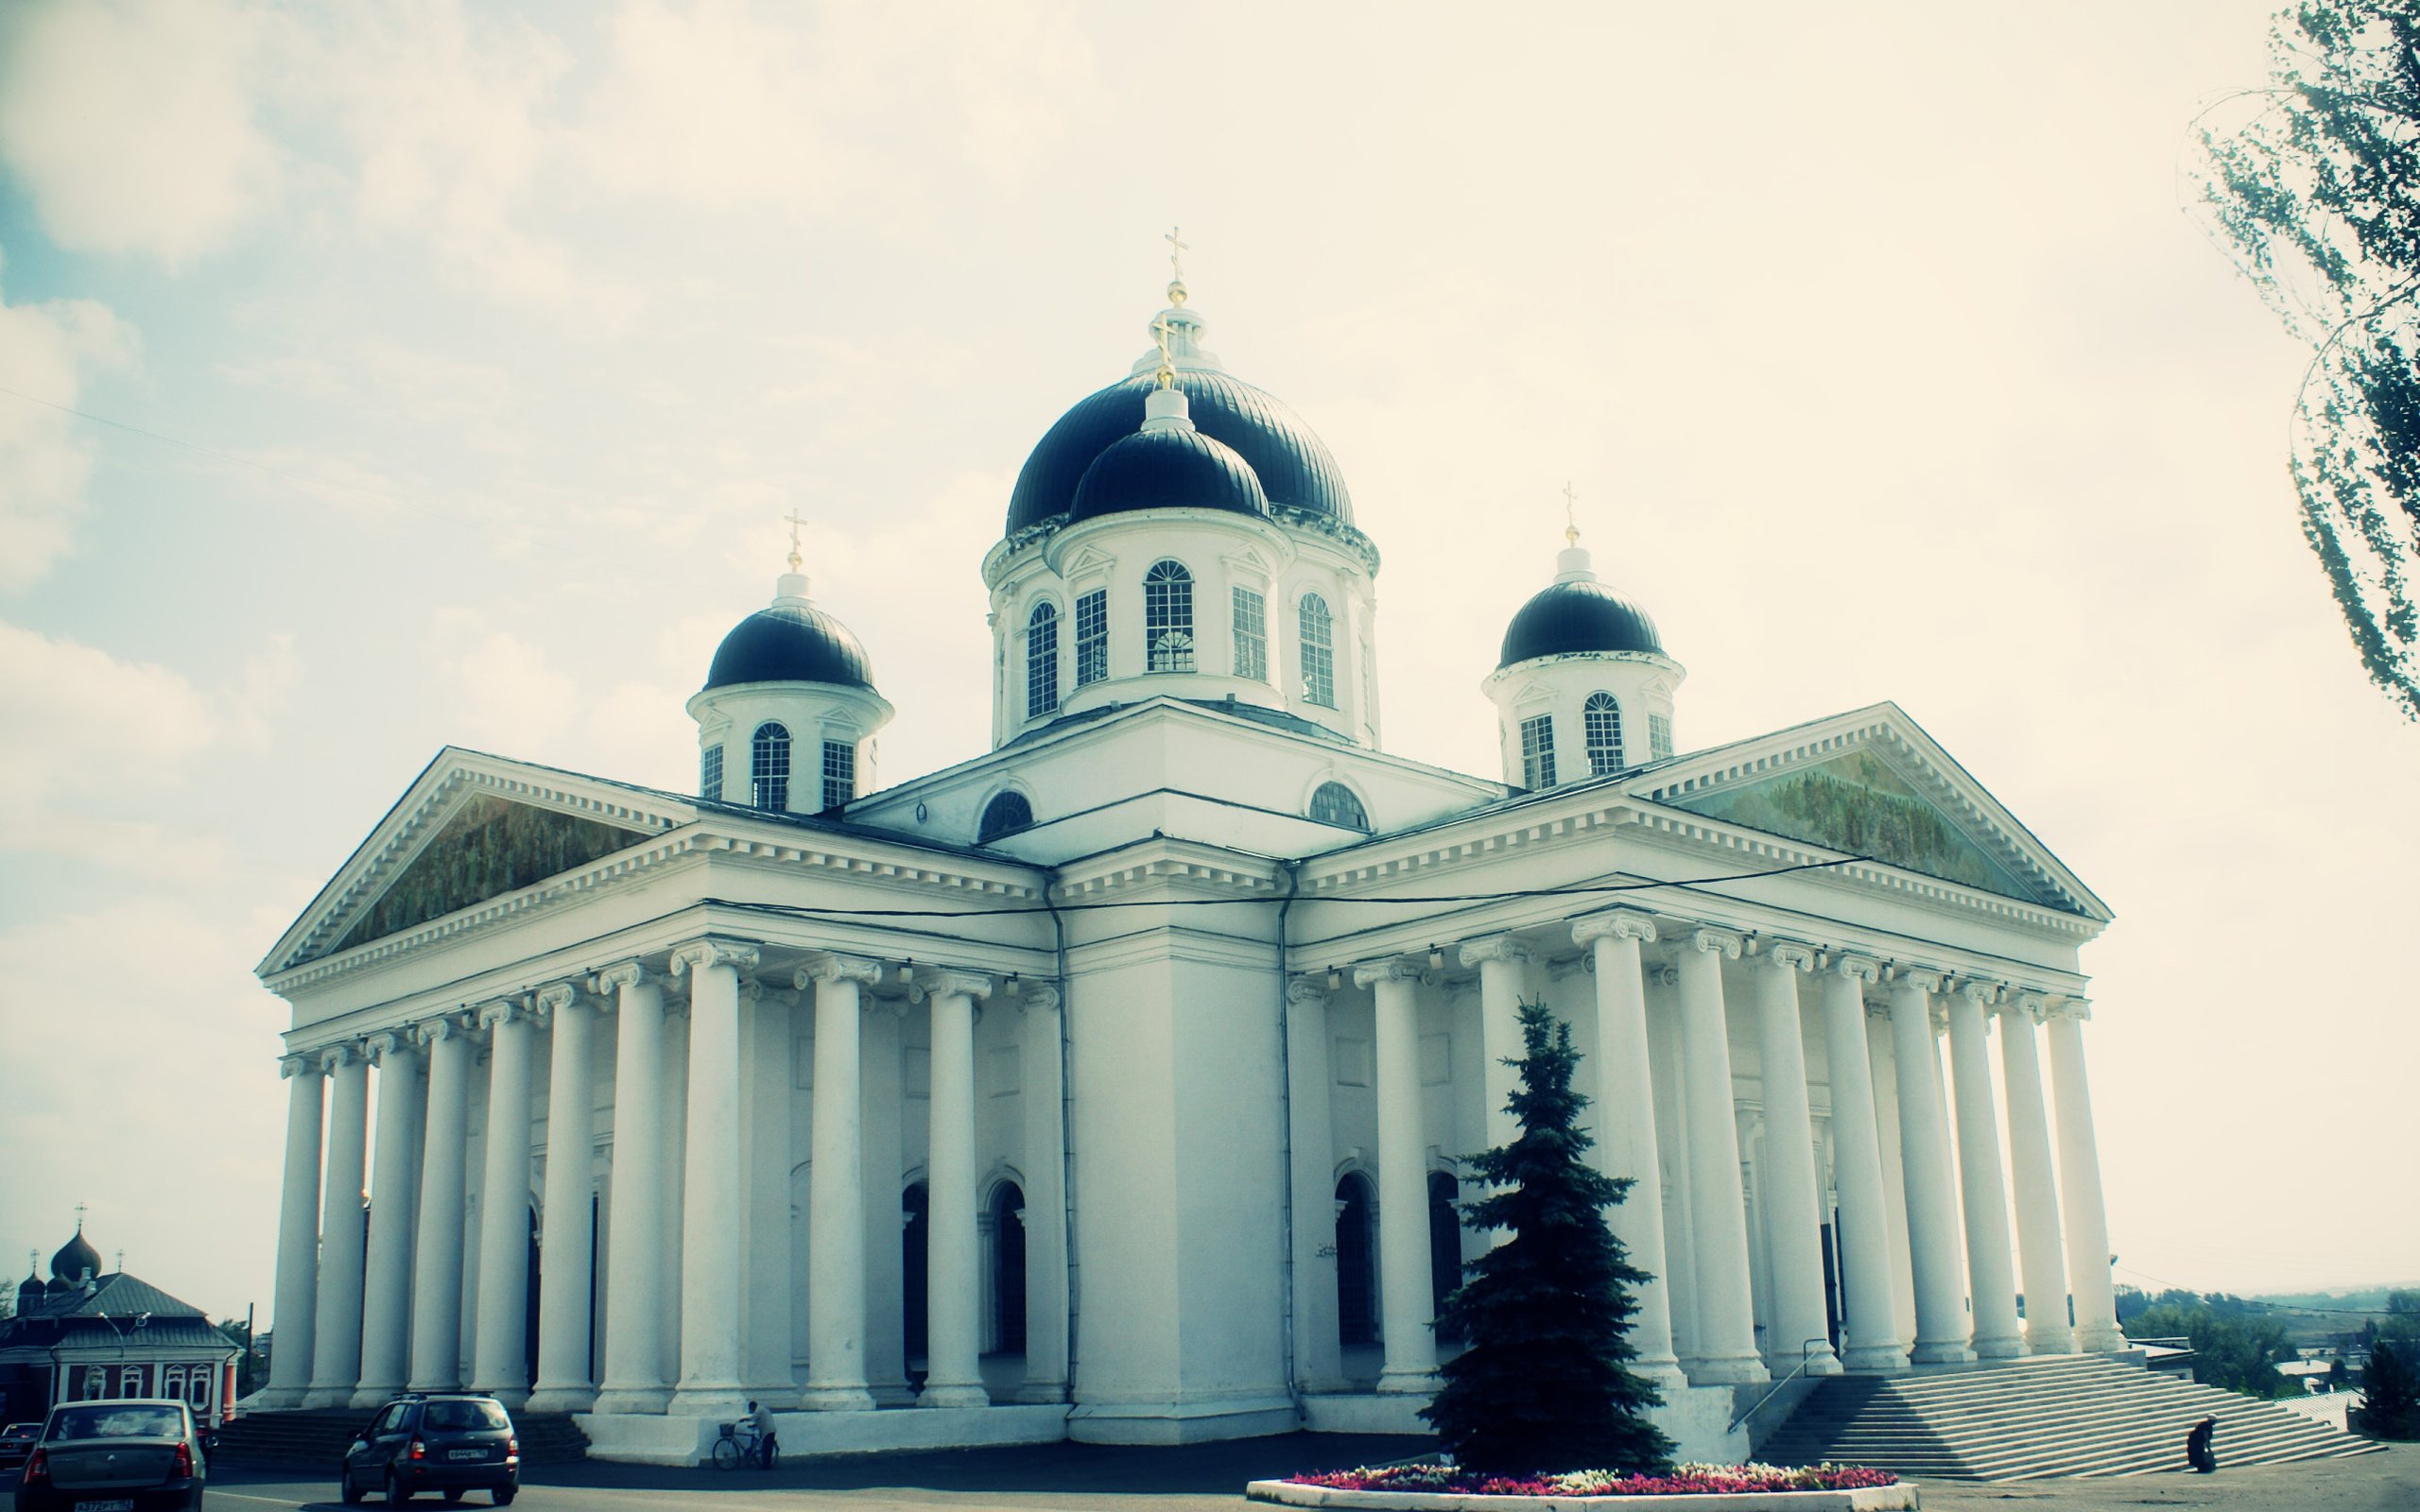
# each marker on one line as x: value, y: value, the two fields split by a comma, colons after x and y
x: 79, y: 1217
x: 1177, y: 249
x: 1161, y: 331
x: 1570, y: 513
x: 796, y: 560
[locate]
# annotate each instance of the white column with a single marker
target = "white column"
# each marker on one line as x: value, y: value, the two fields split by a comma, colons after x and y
x: 2088, y: 1222
x: 1982, y: 1187
x: 1924, y: 1155
x: 635, y: 1366
x: 298, y: 1236
x: 1793, y: 1206
x: 500, y: 1356
x: 880, y: 1131
x: 386, y: 1290
x: 1726, y: 1318
x: 1869, y: 1333
x: 1626, y: 1142
x: 710, y: 1224
x: 767, y: 1037
x: 836, y: 1194
x: 335, y: 1350
x: 566, y: 1254
x: 1045, y: 1197
x: 1502, y: 963
x: 1882, y: 1062
x: 2039, y: 1258
x: 953, y: 1371
x: 437, y: 1251
x: 1407, y: 1299
x: 1311, y: 1121
x: 672, y: 1239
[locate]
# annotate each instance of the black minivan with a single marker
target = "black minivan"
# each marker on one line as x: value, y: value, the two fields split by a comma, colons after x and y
x: 447, y: 1442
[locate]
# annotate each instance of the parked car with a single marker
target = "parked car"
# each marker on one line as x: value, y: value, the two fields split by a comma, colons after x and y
x: 118, y: 1456
x: 17, y: 1442
x: 448, y: 1443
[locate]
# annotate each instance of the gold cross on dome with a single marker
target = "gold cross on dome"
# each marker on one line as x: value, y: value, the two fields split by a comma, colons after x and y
x: 796, y: 560
x: 1176, y: 254
x: 79, y: 1217
x: 1161, y: 333
x: 1570, y: 513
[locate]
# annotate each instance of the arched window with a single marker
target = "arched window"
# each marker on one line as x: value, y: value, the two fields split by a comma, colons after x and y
x: 1008, y: 1266
x: 1537, y: 751
x: 1005, y: 814
x: 172, y: 1379
x: 1602, y: 718
x: 1041, y: 659
x: 1168, y: 618
x: 1334, y: 803
x: 769, y: 772
x: 1318, y: 652
x: 1444, y: 1239
x: 1357, y: 1291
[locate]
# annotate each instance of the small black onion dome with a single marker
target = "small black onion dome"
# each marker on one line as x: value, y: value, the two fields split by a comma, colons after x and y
x: 1168, y: 468
x: 1585, y: 616
x: 1293, y: 465
x: 29, y: 1294
x: 74, y: 1258
x: 792, y: 641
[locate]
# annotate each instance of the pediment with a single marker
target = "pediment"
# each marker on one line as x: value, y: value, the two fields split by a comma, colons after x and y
x: 490, y: 847
x: 1084, y: 560
x: 1873, y: 784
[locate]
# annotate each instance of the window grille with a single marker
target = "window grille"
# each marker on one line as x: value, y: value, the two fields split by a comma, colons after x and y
x: 1604, y: 719
x: 1319, y: 653
x: 1092, y: 637
x: 1659, y: 736
x: 1537, y: 751
x: 710, y: 773
x: 1334, y: 803
x: 1042, y: 660
x: 1168, y: 618
x: 769, y: 773
x: 1252, y: 636
x: 839, y: 772
x: 1004, y: 814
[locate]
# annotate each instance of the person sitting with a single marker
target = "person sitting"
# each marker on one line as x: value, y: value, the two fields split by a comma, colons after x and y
x: 2197, y: 1446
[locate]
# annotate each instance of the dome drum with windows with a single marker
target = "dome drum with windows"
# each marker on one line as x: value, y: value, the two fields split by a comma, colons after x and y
x: 1582, y: 687
x: 788, y: 716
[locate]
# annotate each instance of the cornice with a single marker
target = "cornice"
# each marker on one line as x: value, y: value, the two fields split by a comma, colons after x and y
x: 1168, y: 863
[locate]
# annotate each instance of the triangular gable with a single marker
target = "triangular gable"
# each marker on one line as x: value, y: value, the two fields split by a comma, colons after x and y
x: 1873, y: 784
x: 491, y: 847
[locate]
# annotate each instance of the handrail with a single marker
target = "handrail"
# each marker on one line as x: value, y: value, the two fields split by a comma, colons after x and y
x: 1804, y: 1357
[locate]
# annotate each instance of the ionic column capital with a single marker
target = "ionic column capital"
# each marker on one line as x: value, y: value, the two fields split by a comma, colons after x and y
x: 338, y: 1057
x: 830, y: 966
x: 2078, y: 1009
x: 1928, y: 979
x: 698, y: 955
x: 1620, y: 923
x: 1721, y: 942
x: 1040, y: 998
x: 2025, y: 1003
x: 1494, y: 948
x: 387, y: 1045
x: 1794, y: 954
x: 621, y: 974
x: 949, y: 981
x: 1305, y: 991
x: 1983, y: 994
x: 444, y: 1027
x: 1394, y: 969
x: 552, y: 998
x: 289, y: 1067
x: 1856, y: 967
x: 502, y: 1011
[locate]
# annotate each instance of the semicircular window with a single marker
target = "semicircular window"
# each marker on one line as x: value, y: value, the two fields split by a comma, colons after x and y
x: 1334, y: 803
x: 1004, y: 814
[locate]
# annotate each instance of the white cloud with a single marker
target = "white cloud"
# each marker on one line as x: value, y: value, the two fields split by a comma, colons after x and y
x: 132, y: 123
x: 46, y: 351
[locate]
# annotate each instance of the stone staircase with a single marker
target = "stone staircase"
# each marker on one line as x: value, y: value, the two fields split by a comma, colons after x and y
x: 319, y: 1438
x: 2058, y: 1415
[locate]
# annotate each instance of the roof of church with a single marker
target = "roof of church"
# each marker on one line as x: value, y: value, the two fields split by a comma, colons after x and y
x: 1581, y: 615
x: 1293, y: 465
x: 790, y: 642
x: 1168, y: 468
x: 105, y: 1312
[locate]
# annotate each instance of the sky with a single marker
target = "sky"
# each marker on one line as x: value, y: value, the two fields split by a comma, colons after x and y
x: 385, y: 376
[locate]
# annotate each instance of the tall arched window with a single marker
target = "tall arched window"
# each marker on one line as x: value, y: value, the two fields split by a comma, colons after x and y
x: 1602, y: 718
x: 769, y: 773
x: 1008, y: 1266
x: 1004, y: 814
x: 1318, y: 652
x: 1334, y: 803
x: 1357, y: 1291
x: 1041, y: 659
x: 1168, y: 618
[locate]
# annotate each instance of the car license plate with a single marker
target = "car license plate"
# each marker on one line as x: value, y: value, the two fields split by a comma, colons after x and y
x: 123, y: 1504
x: 466, y: 1454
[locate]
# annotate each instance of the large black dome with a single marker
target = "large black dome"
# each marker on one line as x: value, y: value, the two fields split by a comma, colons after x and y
x: 1582, y: 615
x: 792, y: 641
x: 1293, y: 465
x: 1168, y: 468
x: 74, y: 1258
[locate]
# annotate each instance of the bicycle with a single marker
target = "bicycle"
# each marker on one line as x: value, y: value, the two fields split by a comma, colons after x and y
x: 737, y: 1444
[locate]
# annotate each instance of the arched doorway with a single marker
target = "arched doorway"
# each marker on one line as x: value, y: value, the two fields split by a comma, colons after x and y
x: 1444, y: 1243
x: 913, y: 1238
x: 1008, y: 1266
x: 1357, y: 1309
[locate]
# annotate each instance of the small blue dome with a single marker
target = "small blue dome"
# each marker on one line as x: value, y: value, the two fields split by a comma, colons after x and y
x: 1583, y: 615
x: 1168, y: 468
x: 792, y: 641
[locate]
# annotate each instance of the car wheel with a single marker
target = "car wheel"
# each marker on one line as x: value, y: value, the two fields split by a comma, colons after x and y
x: 347, y: 1492
x: 504, y: 1495
x: 396, y: 1495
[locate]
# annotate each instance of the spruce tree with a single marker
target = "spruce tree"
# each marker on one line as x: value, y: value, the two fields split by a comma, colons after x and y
x: 2390, y: 1394
x: 1544, y: 1386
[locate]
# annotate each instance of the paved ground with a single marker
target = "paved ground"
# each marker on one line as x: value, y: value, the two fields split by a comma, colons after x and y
x: 1093, y: 1478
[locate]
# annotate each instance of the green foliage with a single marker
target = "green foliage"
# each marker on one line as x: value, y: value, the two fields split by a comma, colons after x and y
x: 1543, y: 1386
x: 2235, y: 1349
x: 2390, y: 1394
x: 2312, y: 185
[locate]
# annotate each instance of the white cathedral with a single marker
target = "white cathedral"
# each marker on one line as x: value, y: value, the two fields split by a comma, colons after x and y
x: 1114, y: 1084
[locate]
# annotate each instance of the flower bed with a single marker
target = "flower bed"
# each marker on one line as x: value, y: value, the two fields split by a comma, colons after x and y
x: 1685, y: 1479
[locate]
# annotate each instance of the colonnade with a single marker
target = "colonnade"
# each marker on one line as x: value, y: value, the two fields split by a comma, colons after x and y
x: 1956, y: 1255
x: 699, y: 1264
